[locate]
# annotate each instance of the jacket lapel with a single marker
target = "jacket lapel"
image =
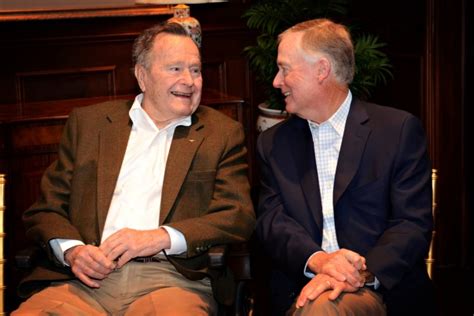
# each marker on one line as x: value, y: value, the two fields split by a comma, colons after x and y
x: 302, y: 146
x: 186, y: 141
x: 113, y: 139
x: 352, y: 148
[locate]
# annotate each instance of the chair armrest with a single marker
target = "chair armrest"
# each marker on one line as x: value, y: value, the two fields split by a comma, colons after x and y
x: 217, y: 256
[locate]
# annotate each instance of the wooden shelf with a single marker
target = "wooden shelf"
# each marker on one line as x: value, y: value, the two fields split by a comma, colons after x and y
x: 60, y: 14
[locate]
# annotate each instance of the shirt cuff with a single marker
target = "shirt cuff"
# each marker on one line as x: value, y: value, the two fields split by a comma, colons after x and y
x: 60, y: 246
x: 306, y: 271
x: 178, y: 242
x: 375, y: 284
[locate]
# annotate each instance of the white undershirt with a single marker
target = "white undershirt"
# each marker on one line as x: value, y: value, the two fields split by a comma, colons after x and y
x: 137, y: 196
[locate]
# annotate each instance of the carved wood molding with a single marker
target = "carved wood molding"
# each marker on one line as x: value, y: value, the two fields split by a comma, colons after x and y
x: 138, y: 10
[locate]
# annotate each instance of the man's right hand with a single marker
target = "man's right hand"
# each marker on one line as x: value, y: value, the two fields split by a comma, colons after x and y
x: 88, y: 263
x: 322, y: 283
x: 343, y: 265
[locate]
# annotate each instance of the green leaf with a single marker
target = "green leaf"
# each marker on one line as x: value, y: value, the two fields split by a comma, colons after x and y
x: 271, y: 17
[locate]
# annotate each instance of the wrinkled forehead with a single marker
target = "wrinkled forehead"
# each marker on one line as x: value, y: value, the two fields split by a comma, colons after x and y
x: 166, y: 43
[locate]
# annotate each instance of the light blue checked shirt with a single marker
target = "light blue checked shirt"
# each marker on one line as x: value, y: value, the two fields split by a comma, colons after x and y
x: 327, y: 140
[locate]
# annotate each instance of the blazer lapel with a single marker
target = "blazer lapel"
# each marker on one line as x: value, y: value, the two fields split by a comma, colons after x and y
x: 302, y: 146
x: 113, y: 139
x: 186, y: 141
x: 352, y: 148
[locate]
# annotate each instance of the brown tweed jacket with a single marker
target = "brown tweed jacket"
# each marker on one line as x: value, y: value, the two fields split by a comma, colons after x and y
x: 205, y: 190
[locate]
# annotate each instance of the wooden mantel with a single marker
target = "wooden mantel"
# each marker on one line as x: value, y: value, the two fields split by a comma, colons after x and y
x: 100, y: 12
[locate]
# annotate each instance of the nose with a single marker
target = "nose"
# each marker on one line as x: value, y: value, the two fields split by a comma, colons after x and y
x: 277, y: 81
x: 187, y: 77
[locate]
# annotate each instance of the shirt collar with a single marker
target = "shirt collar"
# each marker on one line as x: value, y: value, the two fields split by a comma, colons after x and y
x: 142, y: 120
x: 338, y: 119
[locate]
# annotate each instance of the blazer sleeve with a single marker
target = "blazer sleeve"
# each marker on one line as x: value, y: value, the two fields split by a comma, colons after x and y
x: 229, y: 216
x: 283, y: 236
x: 405, y: 241
x: 48, y: 218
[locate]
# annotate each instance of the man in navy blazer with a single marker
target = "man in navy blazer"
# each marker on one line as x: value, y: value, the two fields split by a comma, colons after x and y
x: 345, y: 203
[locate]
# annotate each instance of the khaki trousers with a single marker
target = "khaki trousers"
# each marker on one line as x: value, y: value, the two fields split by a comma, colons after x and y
x: 364, y: 302
x: 153, y: 288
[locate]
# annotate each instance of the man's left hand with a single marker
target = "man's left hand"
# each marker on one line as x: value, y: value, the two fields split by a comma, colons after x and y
x: 126, y: 244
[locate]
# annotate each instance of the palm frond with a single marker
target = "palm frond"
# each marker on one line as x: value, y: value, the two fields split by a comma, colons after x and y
x: 372, y: 65
x: 271, y: 17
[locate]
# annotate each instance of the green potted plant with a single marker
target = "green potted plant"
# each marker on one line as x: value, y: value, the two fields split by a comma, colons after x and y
x: 271, y: 17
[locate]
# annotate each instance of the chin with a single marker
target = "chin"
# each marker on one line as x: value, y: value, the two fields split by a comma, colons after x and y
x: 187, y: 109
x: 289, y: 108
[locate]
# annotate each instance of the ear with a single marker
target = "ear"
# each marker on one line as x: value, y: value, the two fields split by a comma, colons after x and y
x: 140, y: 75
x: 323, y: 69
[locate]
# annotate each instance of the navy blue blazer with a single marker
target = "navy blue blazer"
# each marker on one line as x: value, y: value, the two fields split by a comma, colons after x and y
x: 382, y: 195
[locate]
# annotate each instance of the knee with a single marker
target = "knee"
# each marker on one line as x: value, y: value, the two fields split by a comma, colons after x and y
x: 322, y: 305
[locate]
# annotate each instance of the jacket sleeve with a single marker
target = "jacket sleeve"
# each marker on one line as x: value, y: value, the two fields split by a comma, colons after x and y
x: 226, y: 215
x: 283, y: 236
x: 405, y: 241
x: 48, y: 218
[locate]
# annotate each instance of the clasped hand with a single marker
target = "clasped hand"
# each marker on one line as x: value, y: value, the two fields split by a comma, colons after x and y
x: 336, y: 272
x: 90, y: 263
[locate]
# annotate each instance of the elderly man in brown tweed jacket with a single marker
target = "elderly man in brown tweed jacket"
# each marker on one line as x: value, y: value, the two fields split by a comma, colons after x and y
x: 136, y: 181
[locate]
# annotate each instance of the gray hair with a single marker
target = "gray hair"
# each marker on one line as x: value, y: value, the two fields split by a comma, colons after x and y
x: 144, y: 42
x: 332, y: 40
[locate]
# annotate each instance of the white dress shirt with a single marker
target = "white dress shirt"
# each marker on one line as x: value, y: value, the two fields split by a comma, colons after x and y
x: 137, y: 196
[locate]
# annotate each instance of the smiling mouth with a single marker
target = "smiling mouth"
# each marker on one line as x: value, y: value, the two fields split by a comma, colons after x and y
x: 181, y: 94
x: 286, y: 94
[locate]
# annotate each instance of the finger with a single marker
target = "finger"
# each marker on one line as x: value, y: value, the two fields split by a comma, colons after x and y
x: 97, y: 261
x: 91, y: 269
x: 93, y: 274
x: 319, y: 289
x: 114, y: 240
x: 301, y: 301
x: 117, y: 252
x: 336, y: 274
x: 114, y: 246
x: 123, y: 260
x: 107, y: 246
x: 353, y: 277
x: 335, y: 293
x: 347, y: 267
x: 88, y: 281
x: 354, y: 258
x: 303, y: 297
